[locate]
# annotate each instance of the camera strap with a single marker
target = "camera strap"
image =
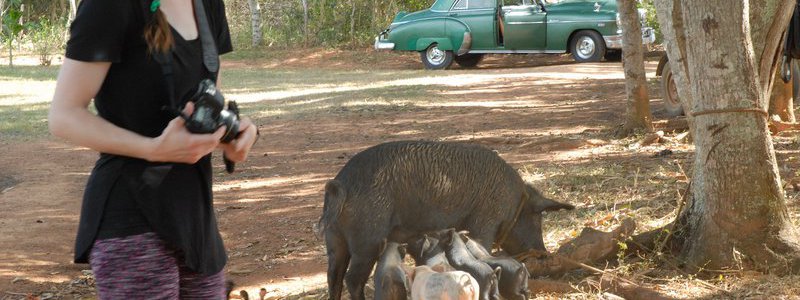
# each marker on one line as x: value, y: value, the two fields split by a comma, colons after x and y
x: 210, y: 56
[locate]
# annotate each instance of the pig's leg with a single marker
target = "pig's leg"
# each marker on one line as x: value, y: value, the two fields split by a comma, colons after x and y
x: 361, y: 264
x: 338, y: 258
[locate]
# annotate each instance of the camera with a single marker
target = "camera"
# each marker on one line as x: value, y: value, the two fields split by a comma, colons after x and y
x: 210, y: 113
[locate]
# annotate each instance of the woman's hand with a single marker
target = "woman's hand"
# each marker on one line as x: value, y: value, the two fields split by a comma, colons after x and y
x: 176, y: 144
x: 237, y: 150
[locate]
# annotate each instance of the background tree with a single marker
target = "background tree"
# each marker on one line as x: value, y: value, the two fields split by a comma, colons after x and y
x: 638, y: 108
x: 255, y: 19
x: 724, y: 56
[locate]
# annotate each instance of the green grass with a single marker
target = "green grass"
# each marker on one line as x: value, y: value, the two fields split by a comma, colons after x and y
x: 34, y: 73
x: 23, y: 122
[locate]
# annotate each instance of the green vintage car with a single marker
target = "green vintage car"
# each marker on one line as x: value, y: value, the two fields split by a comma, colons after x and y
x: 464, y: 30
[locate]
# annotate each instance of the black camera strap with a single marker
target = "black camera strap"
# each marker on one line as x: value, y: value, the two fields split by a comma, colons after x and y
x: 210, y: 56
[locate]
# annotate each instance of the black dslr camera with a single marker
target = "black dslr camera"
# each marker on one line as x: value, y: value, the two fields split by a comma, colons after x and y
x: 209, y: 113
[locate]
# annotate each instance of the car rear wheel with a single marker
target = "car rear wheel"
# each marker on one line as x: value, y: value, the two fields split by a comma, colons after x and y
x: 587, y: 46
x: 468, y: 60
x: 672, y: 104
x: 436, y: 59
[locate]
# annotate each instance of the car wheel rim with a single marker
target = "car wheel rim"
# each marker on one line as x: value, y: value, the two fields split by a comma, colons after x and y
x: 585, y: 48
x: 435, y: 56
x: 672, y: 91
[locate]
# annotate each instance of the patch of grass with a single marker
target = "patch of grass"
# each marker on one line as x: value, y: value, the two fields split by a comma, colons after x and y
x: 23, y: 121
x: 36, y: 73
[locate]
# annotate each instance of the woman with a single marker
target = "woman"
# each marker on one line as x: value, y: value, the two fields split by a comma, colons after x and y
x: 147, y: 224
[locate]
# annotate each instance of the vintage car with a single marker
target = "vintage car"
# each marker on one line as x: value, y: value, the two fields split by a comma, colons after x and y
x: 464, y: 30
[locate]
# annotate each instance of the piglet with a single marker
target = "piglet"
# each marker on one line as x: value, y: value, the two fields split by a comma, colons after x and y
x: 513, y: 280
x: 428, y: 251
x: 458, y: 255
x: 429, y: 284
x: 391, y: 282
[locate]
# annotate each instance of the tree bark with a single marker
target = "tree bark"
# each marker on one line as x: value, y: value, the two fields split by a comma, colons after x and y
x: 305, y: 22
x: 255, y: 20
x: 638, y: 106
x: 73, y: 10
x: 725, y: 57
x: 352, y: 23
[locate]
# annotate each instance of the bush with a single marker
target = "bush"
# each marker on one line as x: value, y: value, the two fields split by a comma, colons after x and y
x: 47, y: 38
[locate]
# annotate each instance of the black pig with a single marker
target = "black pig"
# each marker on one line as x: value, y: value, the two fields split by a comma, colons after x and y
x: 514, y: 275
x: 405, y: 189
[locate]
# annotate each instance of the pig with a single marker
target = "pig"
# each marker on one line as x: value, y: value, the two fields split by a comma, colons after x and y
x: 458, y: 255
x: 428, y: 251
x: 513, y: 283
x: 391, y: 282
x: 429, y: 284
x: 407, y: 188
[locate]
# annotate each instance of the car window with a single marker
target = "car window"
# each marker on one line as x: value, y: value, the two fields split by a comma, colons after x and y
x: 461, y: 4
x: 478, y: 4
x: 474, y: 4
x: 518, y: 2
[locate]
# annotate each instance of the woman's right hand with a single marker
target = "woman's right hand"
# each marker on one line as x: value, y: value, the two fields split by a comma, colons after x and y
x: 177, y: 144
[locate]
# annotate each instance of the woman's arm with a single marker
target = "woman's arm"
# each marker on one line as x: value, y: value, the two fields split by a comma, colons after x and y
x: 69, y: 118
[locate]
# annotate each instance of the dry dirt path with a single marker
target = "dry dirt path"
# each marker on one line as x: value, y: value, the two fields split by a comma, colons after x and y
x: 267, y: 210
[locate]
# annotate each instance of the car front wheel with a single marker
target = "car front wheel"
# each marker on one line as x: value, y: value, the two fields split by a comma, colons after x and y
x: 436, y: 59
x: 672, y: 104
x: 587, y: 46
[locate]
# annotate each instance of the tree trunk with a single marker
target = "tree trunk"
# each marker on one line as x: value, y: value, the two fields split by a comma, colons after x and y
x: 73, y: 10
x: 737, y: 218
x: 353, y: 24
x: 638, y: 106
x: 305, y: 22
x: 255, y: 20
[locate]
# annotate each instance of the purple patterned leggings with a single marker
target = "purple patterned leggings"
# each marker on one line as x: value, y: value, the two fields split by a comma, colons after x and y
x: 144, y: 267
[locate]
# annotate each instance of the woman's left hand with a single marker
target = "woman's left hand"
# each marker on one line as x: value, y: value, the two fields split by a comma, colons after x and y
x: 238, y: 149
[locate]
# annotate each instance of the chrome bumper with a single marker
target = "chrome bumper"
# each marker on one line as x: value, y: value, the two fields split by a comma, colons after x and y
x: 615, y: 41
x: 381, y: 43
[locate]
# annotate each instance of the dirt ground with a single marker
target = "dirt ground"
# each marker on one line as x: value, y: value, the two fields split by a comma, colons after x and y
x: 267, y: 210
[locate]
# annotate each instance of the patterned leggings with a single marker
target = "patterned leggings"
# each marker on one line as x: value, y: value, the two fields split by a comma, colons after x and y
x: 144, y: 267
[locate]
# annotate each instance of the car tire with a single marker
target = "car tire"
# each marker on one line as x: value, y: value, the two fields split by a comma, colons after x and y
x: 436, y: 59
x: 613, y: 55
x: 672, y: 103
x: 468, y: 60
x: 587, y: 46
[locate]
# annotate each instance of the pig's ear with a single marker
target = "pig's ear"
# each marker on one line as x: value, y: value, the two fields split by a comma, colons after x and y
x: 426, y: 244
x: 542, y: 203
x: 497, y: 272
x: 403, y: 249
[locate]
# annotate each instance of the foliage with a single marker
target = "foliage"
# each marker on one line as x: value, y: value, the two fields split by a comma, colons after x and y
x: 47, y: 38
x: 651, y: 18
x: 329, y: 25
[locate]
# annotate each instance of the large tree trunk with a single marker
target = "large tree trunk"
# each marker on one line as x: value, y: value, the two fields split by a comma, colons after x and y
x: 255, y: 20
x: 638, y: 106
x: 727, y: 54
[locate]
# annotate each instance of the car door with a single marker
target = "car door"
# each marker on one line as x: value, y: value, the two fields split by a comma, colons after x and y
x: 525, y: 26
x: 479, y: 17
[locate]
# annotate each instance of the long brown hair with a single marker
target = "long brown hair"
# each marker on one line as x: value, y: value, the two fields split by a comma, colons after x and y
x: 157, y: 33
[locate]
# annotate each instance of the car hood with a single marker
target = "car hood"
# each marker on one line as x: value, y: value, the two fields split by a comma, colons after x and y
x: 573, y: 6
